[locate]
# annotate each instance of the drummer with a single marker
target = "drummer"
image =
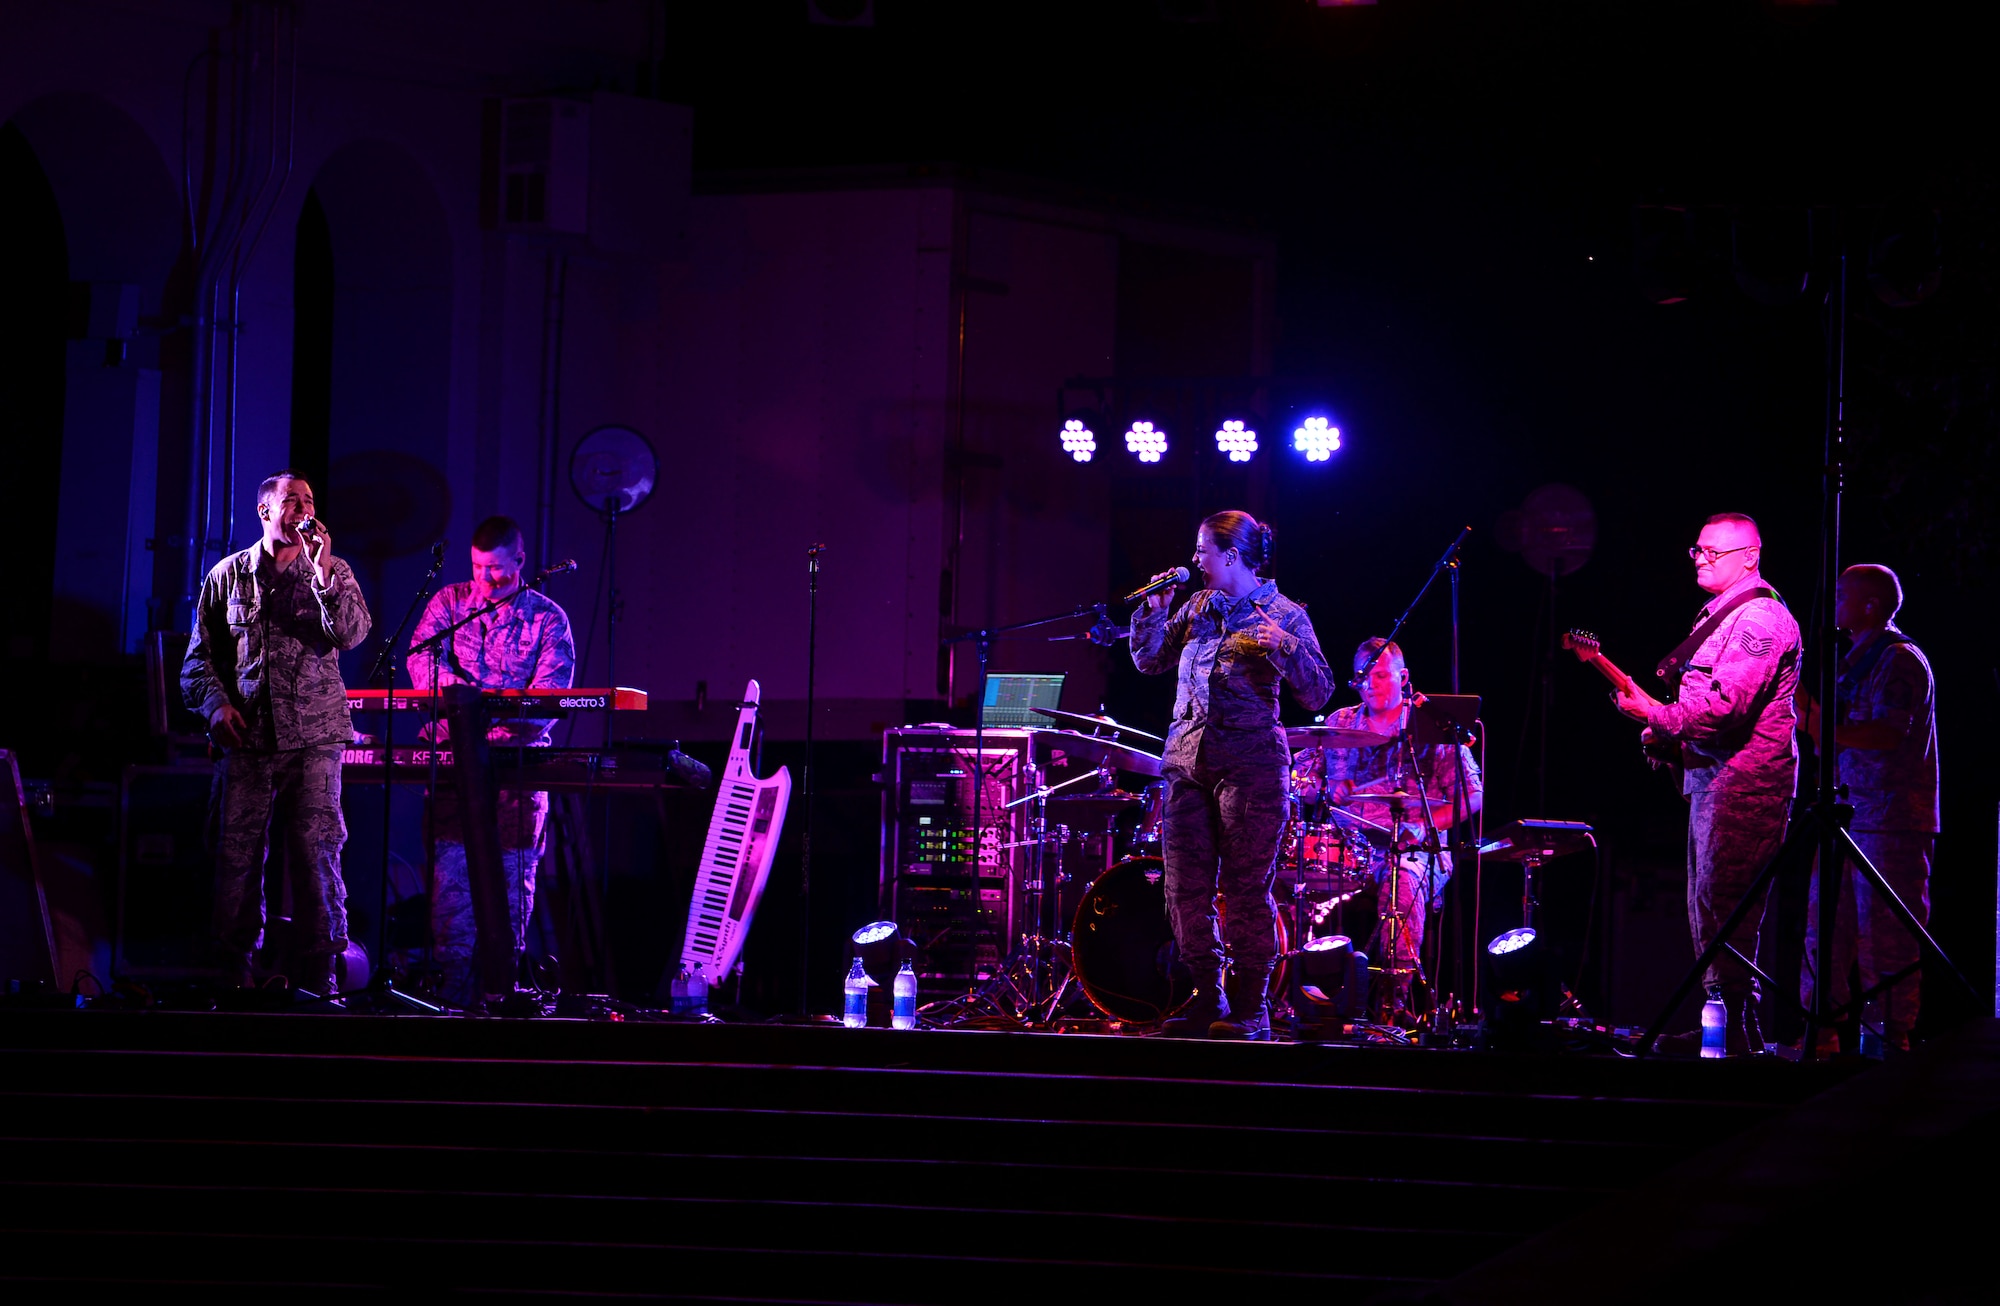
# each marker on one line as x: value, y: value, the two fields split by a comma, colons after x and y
x: 1412, y: 881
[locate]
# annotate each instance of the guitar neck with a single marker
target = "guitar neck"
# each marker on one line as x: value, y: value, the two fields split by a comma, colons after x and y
x: 1605, y: 667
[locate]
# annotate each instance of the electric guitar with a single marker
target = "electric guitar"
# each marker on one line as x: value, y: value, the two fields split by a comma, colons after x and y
x: 1586, y: 647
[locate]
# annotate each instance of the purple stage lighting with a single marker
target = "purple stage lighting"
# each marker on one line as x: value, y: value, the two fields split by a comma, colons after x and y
x: 1079, y: 441
x: 1317, y: 439
x: 1236, y: 440
x: 1145, y: 442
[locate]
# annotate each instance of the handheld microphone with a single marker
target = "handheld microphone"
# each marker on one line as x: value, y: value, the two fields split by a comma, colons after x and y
x: 308, y: 525
x: 556, y: 569
x: 1178, y: 576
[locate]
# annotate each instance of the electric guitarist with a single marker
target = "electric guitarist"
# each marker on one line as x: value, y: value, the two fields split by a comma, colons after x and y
x: 1727, y: 705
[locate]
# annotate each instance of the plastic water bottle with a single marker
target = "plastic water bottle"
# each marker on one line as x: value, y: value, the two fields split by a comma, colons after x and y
x: 697, y: 993
x: 1873, y: 1044
x: 1714, y: 1027
x: 677, y: 993
x: 854, y: 1014
x: 903, y: 1015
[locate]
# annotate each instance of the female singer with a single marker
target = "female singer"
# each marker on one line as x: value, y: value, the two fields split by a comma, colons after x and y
x: 1235, y: 640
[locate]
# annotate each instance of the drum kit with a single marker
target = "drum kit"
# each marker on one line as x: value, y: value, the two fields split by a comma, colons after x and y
x: 1093, y: 902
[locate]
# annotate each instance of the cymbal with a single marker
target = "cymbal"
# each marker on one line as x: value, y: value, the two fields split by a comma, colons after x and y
x: 1304, y: 737
x: 1390, y: 796
x: 1339, y: 815
x: 1093, y: 723
x: 1100, y: 752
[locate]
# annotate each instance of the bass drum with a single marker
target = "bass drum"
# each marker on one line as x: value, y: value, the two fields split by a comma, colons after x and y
x: 1122, y: 947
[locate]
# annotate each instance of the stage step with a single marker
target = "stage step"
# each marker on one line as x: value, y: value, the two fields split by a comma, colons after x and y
x: 805, y: 1163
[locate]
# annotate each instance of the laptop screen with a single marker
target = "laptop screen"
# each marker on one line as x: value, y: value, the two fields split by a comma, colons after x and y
x: 1011, y: 699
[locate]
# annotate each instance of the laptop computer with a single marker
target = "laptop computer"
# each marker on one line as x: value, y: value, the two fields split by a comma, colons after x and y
x: 1011, y: 699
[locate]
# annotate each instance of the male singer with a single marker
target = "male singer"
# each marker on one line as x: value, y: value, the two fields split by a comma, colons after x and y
x: 263, y: 668
x: 522, y: 644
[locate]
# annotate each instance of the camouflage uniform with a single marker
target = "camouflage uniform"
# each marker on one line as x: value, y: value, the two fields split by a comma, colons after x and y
x: 524, y: 645
x: 1734, y: 721
x: 1895, y: 797
x: 1419, y: 884
x: 1226, y: 760
x: 268, y: 642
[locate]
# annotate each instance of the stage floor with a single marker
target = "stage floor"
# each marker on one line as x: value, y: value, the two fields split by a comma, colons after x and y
x: 772, y: 1162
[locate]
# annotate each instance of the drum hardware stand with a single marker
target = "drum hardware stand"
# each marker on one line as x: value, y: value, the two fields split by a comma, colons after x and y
x: 1393, y: 923
x: 982, y: 643
x: 1448, y: 561
x: 1302, y: 927
x: 982, y: 640
x: 1529, y: 865
x: 1041, y: 956
x: 1534, y: 843
x: 1304, y: 920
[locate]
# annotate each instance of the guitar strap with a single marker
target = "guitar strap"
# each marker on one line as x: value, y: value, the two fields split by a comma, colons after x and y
x: 1674, y: 665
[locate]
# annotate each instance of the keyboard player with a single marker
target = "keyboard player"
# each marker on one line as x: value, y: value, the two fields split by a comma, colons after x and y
x: 524, y: 644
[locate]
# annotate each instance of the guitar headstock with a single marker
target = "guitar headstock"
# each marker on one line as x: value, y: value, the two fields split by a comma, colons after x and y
x: 1581, y: 642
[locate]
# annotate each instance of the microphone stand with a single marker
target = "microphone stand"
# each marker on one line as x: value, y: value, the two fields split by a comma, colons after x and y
x: 806, y: 833
x: 982, y: 642
x: 447, y: 632
x: 1448, y: 561
x: 438, y: 640
x: 384, y: 670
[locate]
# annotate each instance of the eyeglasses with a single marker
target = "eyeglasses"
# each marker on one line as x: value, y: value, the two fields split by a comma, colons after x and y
x: 1702, y: 552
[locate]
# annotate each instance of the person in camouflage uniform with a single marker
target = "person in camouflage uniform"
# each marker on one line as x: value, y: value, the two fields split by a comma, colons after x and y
x: 1887, y: 737
x: 1450, y: 779
x: 1734, y: 723
x: 524, y: 644
x: 1235, y: 641
x: 263, y: 669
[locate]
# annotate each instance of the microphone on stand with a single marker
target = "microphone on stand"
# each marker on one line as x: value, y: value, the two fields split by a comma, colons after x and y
x: 556, y: 569
x: 1178, y: 576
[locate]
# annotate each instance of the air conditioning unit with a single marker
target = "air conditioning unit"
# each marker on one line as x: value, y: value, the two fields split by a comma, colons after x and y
x: 545, y: 165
